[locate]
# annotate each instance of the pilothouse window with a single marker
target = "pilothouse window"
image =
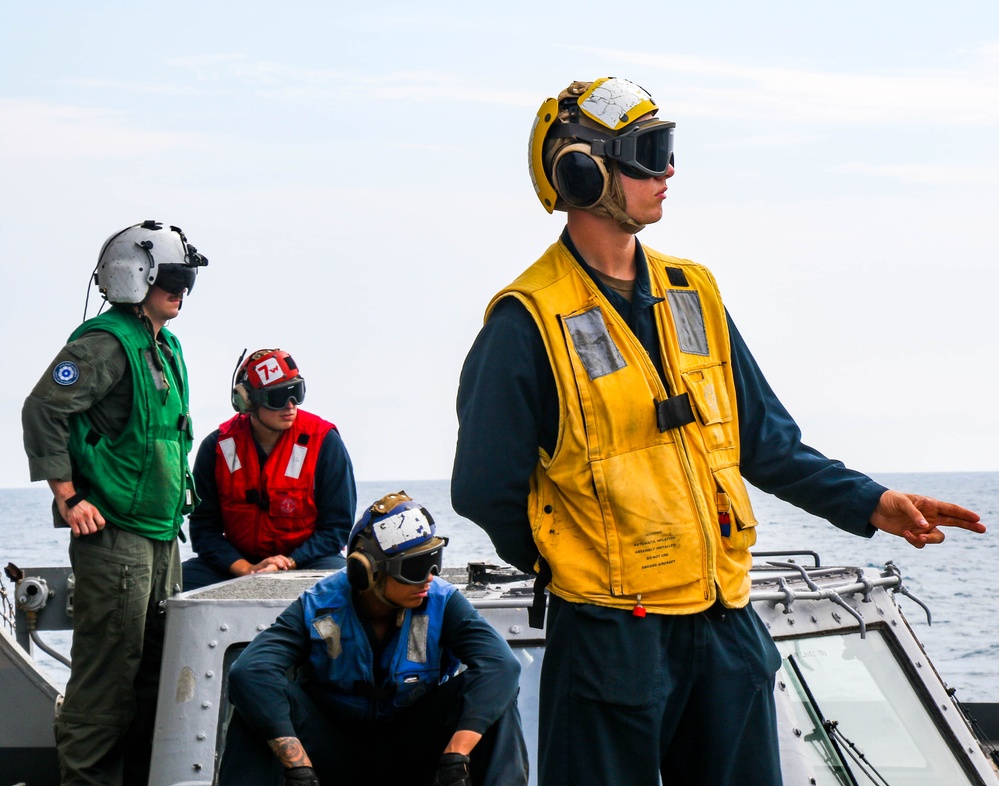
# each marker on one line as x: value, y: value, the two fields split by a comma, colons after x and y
x: 843, y: 690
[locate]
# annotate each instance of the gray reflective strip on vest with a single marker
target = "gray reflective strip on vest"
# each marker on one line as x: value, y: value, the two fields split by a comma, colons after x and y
x: 689, y: 319
x: 593, y: 343
x: 228, y: 448
x: 296, y: 462
x: 159, y: 380
x: 330, y: 633
x: 416, y: 647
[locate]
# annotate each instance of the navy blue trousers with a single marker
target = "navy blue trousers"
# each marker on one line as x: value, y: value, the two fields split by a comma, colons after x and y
x: 625, y: 699
x: 404, y: 749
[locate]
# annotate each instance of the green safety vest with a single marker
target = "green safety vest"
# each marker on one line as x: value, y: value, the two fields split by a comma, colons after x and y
x: 141, y: 480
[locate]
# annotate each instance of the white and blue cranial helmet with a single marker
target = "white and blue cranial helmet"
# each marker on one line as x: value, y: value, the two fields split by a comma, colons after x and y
x: 395, y: 537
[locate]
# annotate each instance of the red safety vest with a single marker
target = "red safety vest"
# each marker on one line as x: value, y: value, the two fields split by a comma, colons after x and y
x: 271, y: 509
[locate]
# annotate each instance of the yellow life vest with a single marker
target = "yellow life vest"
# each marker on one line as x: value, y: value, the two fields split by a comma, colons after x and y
x: 623, y: 512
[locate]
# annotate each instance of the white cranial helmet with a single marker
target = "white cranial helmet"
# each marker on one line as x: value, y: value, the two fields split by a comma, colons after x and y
x: 135, y: 258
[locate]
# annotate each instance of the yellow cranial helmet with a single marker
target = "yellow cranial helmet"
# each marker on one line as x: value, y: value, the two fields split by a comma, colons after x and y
x: 592, y: 131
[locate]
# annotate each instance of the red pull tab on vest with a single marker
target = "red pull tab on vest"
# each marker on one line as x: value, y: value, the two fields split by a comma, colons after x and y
x: 639, y: 610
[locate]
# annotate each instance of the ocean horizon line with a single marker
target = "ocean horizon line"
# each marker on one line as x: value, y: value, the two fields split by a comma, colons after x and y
x: 873, y: 474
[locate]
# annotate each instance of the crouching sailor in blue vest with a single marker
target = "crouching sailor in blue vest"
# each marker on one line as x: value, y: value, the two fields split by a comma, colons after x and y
x: 357, y: 682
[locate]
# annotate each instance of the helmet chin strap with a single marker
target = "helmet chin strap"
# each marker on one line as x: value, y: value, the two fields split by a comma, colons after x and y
x: 377, y: 590
x: 613, y: 205
x: 259, y: 422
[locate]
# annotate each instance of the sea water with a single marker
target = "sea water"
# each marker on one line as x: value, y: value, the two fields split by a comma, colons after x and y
x: 954, y: 579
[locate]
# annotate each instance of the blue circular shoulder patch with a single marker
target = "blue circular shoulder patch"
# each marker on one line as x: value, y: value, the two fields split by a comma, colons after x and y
x: 66, y: 373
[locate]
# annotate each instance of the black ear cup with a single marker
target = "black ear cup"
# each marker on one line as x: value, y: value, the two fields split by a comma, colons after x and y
x: 360, y: 571
x: 580, y: 179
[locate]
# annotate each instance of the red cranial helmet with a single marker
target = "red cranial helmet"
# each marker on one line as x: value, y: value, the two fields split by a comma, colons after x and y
x: 267, y: 378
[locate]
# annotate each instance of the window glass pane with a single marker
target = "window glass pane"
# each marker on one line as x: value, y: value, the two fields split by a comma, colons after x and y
x: 859, y: 685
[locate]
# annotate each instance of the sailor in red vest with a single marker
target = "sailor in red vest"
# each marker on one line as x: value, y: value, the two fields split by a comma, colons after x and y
x: 276, y: 483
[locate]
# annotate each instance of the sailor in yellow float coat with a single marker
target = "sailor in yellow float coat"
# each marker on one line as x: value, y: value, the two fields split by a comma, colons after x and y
x: 651, y: 530
x: 608, y: 412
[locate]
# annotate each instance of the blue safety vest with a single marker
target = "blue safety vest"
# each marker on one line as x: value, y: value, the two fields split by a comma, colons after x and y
x: 342, y: 662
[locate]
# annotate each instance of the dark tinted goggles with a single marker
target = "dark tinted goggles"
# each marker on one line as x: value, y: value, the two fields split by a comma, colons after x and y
x: 278, y: 397
x: 416, y: 569
x: 176, y: 278
x: 644, y: 150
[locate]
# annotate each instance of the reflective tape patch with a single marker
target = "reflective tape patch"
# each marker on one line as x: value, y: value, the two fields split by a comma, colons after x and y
x: 228, y: 448
x: 416, y: 647
x: 593, y: 343
x: 329, y: 632
x: 158, y: 379
x: 269, y: 370
x: 296, y: 462
x: 689, y: 319
x: 396, y: 532
x: 610, y: 101
x: 66, y: 373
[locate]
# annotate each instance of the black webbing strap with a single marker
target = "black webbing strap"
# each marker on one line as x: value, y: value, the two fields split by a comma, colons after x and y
x: 536, y: 614
x: 674, y: 412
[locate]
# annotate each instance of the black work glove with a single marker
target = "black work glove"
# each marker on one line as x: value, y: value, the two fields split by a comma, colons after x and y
x: 452, y: 770
x: 300, y: 776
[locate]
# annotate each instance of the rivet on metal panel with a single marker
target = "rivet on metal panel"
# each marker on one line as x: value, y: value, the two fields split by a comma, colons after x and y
x: 223, y: 627
x: 201, y: 735
x: 209, y: 673
x: 207, y: 705
x: 515, y: 629
x: 213, y: 644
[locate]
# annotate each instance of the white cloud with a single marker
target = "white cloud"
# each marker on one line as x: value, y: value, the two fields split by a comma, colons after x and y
x: 923, y: 174
x: 39, y: 130
x: 948, y: 96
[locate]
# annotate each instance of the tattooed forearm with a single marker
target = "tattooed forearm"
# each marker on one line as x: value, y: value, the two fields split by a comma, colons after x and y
x: 290, y: 751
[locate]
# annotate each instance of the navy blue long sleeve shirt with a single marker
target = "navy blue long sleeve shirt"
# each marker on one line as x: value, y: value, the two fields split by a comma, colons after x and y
x: 508, y: 409
x: 336, y: 505
x: 258, y: 679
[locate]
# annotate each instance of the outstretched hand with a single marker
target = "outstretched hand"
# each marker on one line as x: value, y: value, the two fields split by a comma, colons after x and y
x: 918, y: 519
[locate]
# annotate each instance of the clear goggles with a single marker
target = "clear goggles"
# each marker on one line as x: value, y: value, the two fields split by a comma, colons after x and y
x: 176, y: 278
x: 278, y: 396
x: 416, y: 568
x: 643, y: 149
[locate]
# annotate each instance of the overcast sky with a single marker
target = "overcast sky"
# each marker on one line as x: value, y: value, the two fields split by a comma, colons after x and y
x: 356, y: 174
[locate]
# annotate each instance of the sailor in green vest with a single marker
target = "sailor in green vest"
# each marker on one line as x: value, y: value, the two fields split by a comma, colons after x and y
x: 108, y: 427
